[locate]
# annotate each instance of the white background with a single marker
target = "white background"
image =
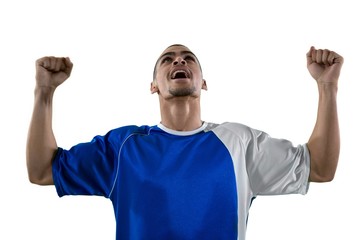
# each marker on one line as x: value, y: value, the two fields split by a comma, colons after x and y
x: 253, y: 58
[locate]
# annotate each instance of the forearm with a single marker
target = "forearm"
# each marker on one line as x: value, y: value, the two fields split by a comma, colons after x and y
x: 41, y: 143
x: 324, y: 143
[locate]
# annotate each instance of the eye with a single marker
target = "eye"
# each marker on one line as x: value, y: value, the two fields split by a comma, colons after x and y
x: 189, y: 58
x: 166, y: 60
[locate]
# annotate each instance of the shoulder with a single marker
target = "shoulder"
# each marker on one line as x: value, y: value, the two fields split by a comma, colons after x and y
x: 233, y: 131
x: 125, y: 131
x: 231, y: 127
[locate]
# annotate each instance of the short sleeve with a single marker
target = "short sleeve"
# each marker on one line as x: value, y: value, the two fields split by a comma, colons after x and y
x: 86, y: 168
x: 275, y: 166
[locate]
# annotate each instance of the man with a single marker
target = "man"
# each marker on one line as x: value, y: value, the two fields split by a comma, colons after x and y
x: 184, y: 178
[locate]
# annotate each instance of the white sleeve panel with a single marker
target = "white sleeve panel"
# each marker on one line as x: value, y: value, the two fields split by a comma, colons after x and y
x: 274, y: 166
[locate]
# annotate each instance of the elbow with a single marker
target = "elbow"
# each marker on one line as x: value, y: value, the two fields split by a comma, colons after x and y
x: 41, y: 178
x: 34, y: 179
x: 329, y: 177
x: 39, y: 172
x: 323, y: 178
x: 40, y: 181
x: 322, y: 175
x: 323, y: 167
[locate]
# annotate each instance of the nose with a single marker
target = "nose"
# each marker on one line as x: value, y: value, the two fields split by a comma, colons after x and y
x: 179, y: 61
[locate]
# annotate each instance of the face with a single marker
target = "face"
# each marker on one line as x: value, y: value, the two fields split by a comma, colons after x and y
x: 177, y: 73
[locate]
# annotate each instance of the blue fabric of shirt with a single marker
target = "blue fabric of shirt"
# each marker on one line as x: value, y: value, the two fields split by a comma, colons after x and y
x: 162, y: 186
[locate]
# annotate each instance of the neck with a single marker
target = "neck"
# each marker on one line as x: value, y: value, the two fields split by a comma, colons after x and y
x: 181, y: 113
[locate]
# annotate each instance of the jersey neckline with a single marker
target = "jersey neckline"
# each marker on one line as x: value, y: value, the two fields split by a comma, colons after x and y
x: 183, y: 133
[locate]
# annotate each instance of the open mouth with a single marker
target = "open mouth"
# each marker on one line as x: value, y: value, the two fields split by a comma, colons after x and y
x: 179, y: 74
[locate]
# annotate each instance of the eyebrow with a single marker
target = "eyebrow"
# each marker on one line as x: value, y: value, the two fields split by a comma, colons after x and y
x: 182, y: 53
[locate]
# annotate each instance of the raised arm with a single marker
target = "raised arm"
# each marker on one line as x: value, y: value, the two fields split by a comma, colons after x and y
x: 41, y: 143
x: 324, y: 143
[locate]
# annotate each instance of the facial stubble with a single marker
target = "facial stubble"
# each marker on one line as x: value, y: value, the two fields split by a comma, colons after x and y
x: 182, y: 92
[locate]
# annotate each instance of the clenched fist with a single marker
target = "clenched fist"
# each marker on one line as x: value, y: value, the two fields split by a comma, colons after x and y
x: 52, y: 71
x: 324, y: 65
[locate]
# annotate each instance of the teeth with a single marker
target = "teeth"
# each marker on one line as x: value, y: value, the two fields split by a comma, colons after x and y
x: 179, y: 71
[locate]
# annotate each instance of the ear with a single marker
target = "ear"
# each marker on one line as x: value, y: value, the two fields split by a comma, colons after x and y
x: 204, y: 86
x: 153, y: 87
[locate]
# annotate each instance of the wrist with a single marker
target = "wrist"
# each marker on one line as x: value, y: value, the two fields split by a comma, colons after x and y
x: 328, y: 88
x: 44, y: 93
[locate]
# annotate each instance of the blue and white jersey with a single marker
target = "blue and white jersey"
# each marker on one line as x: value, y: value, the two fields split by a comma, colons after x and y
x: 166, y: 184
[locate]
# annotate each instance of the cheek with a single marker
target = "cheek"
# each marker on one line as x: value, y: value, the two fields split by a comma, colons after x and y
x: 197, y: 73
x: 161, y: 75
x: 160, y: 83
